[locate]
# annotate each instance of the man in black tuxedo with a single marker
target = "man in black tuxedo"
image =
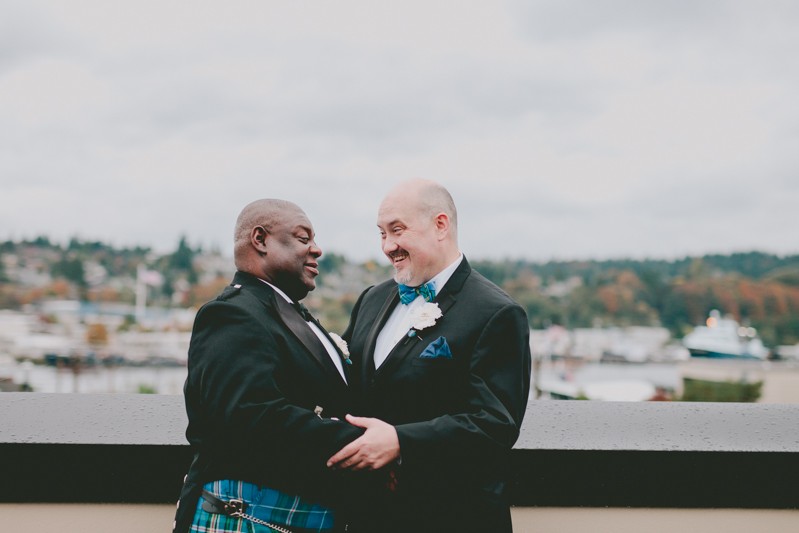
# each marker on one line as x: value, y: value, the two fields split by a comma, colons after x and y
x: 265, y: 382
x: 449, y: 376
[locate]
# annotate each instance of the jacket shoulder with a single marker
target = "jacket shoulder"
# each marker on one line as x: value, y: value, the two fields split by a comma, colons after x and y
x: 487, y: 290
x: 237, y: 295
x: 229, y: 292
x: 380, y: 290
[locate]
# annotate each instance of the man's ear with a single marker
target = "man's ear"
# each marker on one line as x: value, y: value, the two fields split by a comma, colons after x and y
x: 442, y: 225
x: 258, y: 238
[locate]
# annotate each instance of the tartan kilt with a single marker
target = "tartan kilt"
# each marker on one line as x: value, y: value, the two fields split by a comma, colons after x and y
x: 263, y: 503
x: 205, y: 522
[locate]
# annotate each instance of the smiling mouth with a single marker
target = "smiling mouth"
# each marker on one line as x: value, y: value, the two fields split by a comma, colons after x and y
x: 398, y: 257
x: 313, y: 268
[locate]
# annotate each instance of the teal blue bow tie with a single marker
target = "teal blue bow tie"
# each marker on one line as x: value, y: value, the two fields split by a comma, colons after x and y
x: 409, y: 294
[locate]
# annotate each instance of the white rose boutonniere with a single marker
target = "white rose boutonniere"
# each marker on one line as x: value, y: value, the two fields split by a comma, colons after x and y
x: 342, y: 346
x: 424, y: 317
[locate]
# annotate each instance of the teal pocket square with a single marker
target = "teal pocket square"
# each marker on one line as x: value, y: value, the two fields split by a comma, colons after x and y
x: 437, y: 348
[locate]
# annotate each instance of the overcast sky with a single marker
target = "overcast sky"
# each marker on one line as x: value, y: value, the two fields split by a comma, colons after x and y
x: 564, y: 129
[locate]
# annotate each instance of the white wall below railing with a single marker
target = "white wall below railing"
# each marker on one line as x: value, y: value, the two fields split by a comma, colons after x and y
x: 121, y: 518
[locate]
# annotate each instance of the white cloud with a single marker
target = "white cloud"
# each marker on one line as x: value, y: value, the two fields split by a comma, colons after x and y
x: 563, y: 129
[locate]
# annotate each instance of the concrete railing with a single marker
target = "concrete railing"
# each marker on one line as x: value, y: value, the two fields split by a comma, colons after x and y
x: 658, y: 454
x: 82, y: 448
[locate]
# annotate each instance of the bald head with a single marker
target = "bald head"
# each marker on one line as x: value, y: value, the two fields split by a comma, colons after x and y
x: 274, y: 240
x: 267, y: 213
x: 429, y: 198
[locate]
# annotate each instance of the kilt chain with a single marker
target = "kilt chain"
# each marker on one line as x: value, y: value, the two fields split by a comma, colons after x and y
x: 279, y: 529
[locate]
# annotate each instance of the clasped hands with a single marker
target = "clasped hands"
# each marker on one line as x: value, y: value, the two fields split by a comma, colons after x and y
x: 377, y: 447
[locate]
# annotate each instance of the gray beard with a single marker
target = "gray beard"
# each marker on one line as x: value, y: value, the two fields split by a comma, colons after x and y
x: 403, y: 279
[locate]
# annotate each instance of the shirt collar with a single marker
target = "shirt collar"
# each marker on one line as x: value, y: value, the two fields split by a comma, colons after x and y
x: 440, y: 279
x: 281, y: 293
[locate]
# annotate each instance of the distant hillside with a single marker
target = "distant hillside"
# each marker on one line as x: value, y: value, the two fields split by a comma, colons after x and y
x: 757, y: 288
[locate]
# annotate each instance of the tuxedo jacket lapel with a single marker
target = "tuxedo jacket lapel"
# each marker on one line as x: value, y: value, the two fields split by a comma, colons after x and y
x: 404, y: 346
x: 303, y: 331
x: 449, y: 293
x: 293, y: 321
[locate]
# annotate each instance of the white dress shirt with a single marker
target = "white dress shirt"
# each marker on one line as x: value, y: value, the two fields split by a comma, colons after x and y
x: 331, y: 350
x: 398, y: 324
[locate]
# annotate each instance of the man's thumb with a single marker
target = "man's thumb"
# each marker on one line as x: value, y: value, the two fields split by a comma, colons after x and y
x: 359, y: 421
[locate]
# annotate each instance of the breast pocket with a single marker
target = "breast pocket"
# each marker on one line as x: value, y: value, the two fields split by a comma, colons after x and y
x: 432, y: 362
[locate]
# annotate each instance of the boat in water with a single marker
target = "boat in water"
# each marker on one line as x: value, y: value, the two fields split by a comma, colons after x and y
x: 724, y: 338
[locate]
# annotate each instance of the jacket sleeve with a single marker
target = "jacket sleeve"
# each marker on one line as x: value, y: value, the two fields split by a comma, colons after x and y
x: 236, y: 385
x: 486, y: 423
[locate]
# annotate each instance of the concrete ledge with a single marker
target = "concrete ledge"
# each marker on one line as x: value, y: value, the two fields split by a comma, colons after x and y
x: 660, y: 426
x: 131, y: 449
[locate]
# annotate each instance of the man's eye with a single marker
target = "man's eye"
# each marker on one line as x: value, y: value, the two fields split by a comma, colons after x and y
x: 304, y: 240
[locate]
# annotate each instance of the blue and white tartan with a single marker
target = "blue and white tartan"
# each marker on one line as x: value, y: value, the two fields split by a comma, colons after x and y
x: 266, y: 504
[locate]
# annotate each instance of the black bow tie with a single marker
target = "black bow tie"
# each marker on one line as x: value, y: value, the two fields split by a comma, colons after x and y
x: 303, y: 311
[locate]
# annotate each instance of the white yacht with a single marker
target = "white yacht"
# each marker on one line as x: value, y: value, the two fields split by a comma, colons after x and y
x: 723, y: 337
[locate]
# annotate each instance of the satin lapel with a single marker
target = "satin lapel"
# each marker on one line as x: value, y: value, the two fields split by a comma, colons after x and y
x: 450, y: 291
x: 303, y: 332
x: 405, y: 346
x: 385, y: 311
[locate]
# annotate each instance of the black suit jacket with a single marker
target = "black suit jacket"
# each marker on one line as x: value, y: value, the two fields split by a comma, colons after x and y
x: 456, y: 418
x: 256, y: 372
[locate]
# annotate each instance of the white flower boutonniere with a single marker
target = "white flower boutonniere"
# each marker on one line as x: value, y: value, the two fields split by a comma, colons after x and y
x: 423, y: 317
x: 342, y: 346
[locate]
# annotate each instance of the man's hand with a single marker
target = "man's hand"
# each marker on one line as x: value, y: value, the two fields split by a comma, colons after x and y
x: 373, y: 450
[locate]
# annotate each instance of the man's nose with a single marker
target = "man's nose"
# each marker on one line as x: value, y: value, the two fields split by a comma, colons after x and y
x: 389, y: 245
x: 315, y: 250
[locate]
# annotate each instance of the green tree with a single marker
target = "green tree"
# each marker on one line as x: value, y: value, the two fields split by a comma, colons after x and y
x: 183, y: 257
x: 331, y: 262
x: 183, y: 260
x: 70, y: 269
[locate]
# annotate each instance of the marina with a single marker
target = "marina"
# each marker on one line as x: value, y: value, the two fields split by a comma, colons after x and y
x: 605, y: 364
x: 578, y: 379
x: 97, y: 379
x: 553, y: 378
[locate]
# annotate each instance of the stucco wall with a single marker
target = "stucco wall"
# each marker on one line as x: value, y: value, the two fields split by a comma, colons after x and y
x: 105, y: 518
